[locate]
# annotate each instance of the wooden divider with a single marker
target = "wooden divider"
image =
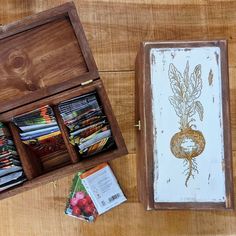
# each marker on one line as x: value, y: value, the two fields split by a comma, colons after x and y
x: 73, y: 155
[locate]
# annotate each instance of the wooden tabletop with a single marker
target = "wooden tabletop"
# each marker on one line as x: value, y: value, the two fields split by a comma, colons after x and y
x: 114, y: 29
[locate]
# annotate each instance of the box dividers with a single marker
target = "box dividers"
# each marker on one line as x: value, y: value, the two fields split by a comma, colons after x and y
x: 73, y: 155
x: 31, y: 164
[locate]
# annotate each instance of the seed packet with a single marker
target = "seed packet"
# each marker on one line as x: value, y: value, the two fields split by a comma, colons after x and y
x: 6, y: 148
x: 93, y: 193
x: 6, y: 141
x: 78, y: 105
x: 12, y: 183
x: 43, y: 115
x: 8, y: 162
x: 45, y: 146
x: 85, y: 132
x: 102, y: 145
x: 10, y: 177
x: 88, y: 127
x: 4, y: 132
x: 40, y: 131
x: 79, y: 124
x: 94, y: 138
x: 9, y: 169
x: 103, y: 188
x: 8, y: 153
x: 79, y: 204
x: 11, y: 172
x: 37, y: 127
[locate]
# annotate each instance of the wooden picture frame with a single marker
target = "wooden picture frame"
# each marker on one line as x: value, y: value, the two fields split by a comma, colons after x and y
x: 45, y: 59
x: 147, y: 143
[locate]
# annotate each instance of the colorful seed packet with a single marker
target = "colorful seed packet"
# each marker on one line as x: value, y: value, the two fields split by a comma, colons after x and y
x: 88, y: 127
x: 93, y: 193
x: 80, y: 204
x: 103, y: 188
x: 42, y: 115
x: 11, y: 172
x: 40, y: 131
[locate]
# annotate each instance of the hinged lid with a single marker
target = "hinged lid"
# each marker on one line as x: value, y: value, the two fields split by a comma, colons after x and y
x: 43, y: 54
x: 184, y: 145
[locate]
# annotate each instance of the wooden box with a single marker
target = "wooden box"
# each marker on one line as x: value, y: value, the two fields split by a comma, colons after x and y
x: 184, y: 156
x: 45, y: 59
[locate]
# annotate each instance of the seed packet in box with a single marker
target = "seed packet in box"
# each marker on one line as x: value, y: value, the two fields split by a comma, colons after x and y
x: 79, y: 204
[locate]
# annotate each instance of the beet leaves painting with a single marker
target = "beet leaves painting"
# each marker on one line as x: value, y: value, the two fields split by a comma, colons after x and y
x: 188, y: 143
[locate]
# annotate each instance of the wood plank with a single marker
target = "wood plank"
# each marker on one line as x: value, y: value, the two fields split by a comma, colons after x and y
x: 114, y: 30
x: 49, y: 201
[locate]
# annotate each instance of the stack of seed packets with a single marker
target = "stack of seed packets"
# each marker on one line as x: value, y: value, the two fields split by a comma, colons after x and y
x: 93, y: 193
x: 88, y: 126
x: 40, y: 131
x: 11, y: 172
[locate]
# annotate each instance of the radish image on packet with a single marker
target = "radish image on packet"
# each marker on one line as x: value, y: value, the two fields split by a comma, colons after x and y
x: 80, y: 204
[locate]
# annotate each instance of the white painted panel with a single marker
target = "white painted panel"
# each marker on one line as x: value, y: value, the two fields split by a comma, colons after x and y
x: 171, y: 183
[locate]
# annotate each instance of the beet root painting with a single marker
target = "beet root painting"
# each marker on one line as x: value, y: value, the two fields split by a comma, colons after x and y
x: 187, y: 121
x: 188, y: 143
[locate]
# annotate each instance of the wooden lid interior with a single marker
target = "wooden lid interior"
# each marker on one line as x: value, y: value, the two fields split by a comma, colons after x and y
x: 43, y: 55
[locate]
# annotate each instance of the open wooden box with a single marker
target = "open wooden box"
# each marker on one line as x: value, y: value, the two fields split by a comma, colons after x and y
x: 45, y: 59
x: 184, y: 156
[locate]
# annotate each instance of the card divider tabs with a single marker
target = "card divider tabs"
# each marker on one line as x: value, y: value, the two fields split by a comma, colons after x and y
x: 31, y: 165
x: 65, y: 134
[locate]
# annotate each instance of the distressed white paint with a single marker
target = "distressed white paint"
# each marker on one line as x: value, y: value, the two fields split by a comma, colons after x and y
x: 169, y: 181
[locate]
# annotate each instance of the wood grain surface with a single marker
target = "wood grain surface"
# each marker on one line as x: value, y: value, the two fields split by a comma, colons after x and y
x: 114, y: 29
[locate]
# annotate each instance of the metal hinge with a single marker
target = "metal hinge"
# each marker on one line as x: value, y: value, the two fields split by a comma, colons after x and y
x: 87, y: 82
x: 138, y: 125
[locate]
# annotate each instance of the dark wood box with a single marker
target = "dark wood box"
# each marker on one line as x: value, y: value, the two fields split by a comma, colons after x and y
x: 167, y: 74
x: 45, y: 59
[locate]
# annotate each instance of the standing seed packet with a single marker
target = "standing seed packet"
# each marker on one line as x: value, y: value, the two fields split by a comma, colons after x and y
x: 40, y: 131
x: 11, y: 172
x: 88, y: 126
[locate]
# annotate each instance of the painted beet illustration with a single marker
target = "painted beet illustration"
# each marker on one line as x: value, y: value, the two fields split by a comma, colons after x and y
x: 188, y: 143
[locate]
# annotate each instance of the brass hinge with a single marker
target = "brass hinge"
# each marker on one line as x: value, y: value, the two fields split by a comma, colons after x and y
x: 87, y: 82
x: 138, y: 125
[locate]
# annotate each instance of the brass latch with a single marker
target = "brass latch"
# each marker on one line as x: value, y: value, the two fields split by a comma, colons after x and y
x: 138, y: 125
x: 87, y: 82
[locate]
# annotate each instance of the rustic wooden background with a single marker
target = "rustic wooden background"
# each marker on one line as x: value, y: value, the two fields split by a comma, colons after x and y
x: 114, y: 29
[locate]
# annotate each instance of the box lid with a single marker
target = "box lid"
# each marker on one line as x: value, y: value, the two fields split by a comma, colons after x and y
x: 183, y: 116
x: 42, y: 55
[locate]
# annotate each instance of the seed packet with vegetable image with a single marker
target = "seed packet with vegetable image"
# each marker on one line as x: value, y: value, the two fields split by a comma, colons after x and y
x: 103, y: 188
x: 80, y: 204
